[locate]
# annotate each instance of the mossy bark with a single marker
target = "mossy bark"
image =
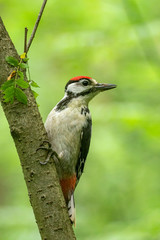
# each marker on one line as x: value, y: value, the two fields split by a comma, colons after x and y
x: 28, y: 132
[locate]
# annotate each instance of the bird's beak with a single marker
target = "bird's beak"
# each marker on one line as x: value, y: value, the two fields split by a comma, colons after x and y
x: 103, y: 87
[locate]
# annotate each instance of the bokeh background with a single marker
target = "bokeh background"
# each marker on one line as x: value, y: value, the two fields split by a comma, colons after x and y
x: 114, y: 41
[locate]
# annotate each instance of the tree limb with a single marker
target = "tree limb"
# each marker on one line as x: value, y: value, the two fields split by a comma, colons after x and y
x: 36, y: 25
x: 28, y: 132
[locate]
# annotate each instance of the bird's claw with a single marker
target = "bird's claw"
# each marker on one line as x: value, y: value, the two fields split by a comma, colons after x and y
x: 50, y: 152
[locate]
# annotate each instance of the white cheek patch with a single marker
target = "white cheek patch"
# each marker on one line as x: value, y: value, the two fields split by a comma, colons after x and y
x: 77, y: 88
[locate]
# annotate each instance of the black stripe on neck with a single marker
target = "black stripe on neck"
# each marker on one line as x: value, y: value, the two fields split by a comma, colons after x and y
x: 64, y: 102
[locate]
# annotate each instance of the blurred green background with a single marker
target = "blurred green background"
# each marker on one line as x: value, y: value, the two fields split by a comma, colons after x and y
x: 114, y: 41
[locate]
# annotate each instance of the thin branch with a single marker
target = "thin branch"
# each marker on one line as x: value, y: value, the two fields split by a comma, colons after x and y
x: 36, y: 25
x: 25, y: 39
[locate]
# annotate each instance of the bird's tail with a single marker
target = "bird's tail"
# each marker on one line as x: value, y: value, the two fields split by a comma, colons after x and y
x: 72, y: 210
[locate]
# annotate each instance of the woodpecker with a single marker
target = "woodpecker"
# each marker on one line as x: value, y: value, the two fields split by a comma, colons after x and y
x: 68, y: 126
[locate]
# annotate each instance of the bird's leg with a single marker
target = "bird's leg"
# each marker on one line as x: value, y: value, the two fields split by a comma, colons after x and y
x: 50, y: 152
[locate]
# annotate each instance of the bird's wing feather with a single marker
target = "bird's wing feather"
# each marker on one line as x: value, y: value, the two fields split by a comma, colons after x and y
x: 84, y: 148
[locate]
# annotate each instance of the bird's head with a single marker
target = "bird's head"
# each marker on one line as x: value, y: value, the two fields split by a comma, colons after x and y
x: 85, y: 87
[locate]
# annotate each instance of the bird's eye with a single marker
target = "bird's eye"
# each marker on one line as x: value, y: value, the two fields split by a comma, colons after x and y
x: 85, y: 83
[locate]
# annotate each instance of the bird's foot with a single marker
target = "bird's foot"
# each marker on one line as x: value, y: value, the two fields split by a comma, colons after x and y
x: 50, y: 152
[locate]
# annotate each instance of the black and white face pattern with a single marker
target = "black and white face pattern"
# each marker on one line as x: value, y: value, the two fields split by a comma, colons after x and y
x: 80, y: 88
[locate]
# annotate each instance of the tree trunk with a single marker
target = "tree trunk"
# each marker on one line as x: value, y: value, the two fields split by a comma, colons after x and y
x: 28, y: 132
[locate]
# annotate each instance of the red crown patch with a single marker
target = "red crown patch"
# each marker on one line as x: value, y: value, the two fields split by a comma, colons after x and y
x: 79, y: 77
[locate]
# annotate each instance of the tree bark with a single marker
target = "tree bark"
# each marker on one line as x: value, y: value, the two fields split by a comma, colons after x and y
x: 28, y: 132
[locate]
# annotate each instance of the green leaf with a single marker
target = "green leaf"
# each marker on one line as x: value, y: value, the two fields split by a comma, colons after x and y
x: 35, y: 94
x: 12, y: 61
x: 23, y: 65
x: 9, y: 94
x: 21, y: 74
x: 34, y: 84
x: 21, y: 83
x: 20, y: 96
x: 7, y: 84
x: 25, y: 60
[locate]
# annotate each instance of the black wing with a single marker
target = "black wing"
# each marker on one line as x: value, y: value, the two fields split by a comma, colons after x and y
x: 84, y: 148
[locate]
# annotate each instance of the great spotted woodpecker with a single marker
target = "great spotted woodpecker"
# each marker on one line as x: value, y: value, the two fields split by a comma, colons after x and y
x: 69, y: 131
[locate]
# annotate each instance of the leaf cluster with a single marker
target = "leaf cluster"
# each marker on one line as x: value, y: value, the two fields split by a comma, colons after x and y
x: 14, y: 87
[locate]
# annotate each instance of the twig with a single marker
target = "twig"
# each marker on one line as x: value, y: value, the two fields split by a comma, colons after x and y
x: 36, y: 25
x: 25, y: 39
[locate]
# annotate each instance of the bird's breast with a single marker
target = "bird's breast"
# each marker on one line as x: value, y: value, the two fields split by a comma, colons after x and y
x: 64, y: 131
